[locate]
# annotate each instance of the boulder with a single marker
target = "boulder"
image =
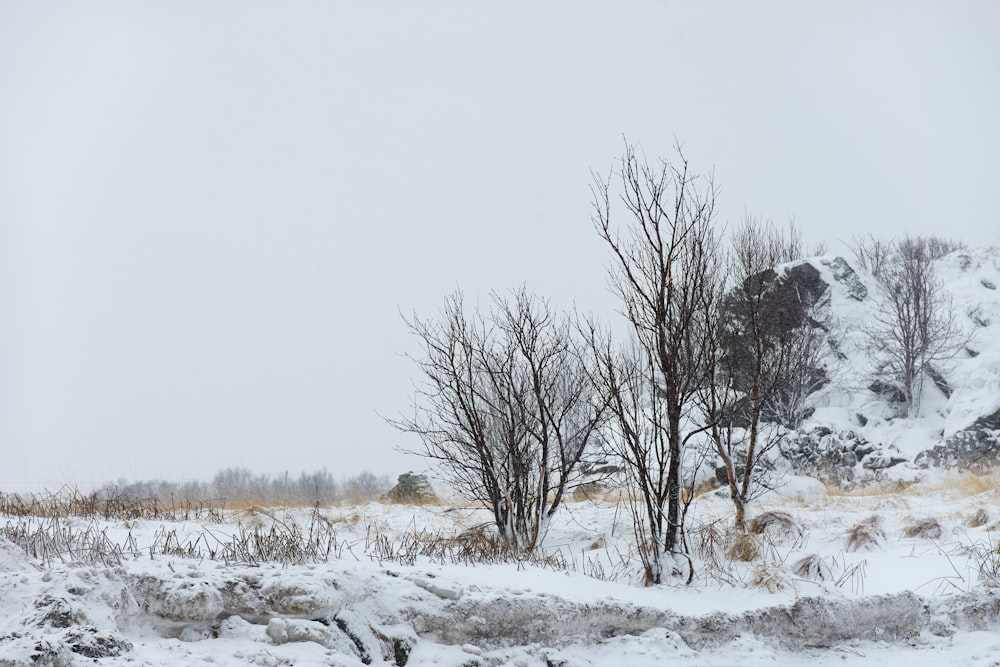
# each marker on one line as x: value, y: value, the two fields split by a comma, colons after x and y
x: 783, y: 303
x: 412, y: 489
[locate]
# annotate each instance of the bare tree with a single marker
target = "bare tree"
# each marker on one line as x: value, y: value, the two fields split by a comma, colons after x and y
x: 636, y: 435
x: 664, y: 271
x: 506, y: 407
x: 937, y: 247
x: 872, y: 254
x: 916, y: 329
x: 766, y: 355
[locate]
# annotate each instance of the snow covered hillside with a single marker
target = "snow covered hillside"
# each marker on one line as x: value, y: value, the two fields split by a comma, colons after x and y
x: 856, y: 426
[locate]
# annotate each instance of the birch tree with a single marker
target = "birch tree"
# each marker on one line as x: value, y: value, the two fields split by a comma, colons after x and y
x: 506, y: 407
x: 657, y: 221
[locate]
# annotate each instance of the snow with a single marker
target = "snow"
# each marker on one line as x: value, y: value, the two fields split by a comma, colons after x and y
x: 393, y: 584
x: 171, y: 609
x: 969, y: 281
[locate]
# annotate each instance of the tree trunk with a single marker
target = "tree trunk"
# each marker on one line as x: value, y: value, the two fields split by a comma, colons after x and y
x: 673, y: 541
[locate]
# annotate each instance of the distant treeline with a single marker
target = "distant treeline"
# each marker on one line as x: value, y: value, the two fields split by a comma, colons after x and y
x: 240, y: 485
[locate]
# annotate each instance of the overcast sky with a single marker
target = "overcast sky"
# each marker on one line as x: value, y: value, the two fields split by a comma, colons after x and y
x: 213, y: 213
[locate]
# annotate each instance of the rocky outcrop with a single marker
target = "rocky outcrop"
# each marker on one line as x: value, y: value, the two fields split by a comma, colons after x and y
x: 846, y: 276
x: 975, y: 448
x: 838, y: 458
x: 778, y: 305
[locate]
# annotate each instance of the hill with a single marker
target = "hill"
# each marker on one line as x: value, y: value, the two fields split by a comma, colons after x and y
x: 857, y: 428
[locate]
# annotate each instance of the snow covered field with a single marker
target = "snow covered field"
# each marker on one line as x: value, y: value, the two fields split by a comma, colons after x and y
x: 359, y: 591
x: 903, y: 573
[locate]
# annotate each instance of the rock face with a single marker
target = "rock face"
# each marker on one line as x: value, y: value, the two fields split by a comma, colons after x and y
x: 414, y: 489
x: 782, y: 304
x: 838, y: 458
x: 844, y: 274
x: 975, y: 448
x: 839, y: 411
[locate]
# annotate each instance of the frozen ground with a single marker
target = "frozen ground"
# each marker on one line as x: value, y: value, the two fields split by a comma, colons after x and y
x: 132, y: 598
x: 902, y: 579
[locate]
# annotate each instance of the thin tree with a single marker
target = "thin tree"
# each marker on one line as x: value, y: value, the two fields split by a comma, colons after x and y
x: 766, y: 356
x: 872, y: 254
x: 663, y: 269
x: 636, y: 435
x: 506, y: 407
x: 916, y: 329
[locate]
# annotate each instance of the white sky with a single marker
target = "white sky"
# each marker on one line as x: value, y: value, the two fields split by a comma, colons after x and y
x: 212, y: 213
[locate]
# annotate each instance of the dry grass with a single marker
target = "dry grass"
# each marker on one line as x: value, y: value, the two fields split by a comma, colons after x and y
x: 925, y: 529
x: 54, y: 540
x: 777, y: 525
x: 980, y: 518
x: 705, y: 486
x: 988, y: 561
x: 812, y: 567
x: 109, y: 506
x: 866, y: 536
x: 745, y: 548
x: 70, y: 527
x: 873, y: 489
x: 960, y: 484
x: 972, y: 484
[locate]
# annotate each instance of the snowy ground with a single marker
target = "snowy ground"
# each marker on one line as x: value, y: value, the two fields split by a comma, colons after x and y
x: 374, y: 599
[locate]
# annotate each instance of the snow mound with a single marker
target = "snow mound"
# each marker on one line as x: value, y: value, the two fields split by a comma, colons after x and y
x: 12, y: 557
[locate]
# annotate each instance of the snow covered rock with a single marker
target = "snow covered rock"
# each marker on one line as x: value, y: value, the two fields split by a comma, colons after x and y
x: 974, y: 448
x: 284, y: 630
x: 440, y: 589
x: 186, y: 600
x: 413, y: 489
x: 90, y: 642
x: 823, y: 621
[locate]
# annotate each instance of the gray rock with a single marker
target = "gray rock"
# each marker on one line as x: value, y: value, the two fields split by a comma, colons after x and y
x: 975, y: 448
x: 90, y: 642
x: 413, y: 489
x: 844, y: 274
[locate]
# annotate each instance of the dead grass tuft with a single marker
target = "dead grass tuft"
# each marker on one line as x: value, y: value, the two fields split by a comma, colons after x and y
x: 926, y: 529
x: 745, y: 548
x: 987, y: 558
x: 812, y: 567
x: 776, y: 525
x: 980, y: 518
x: 771, y: 578
x: 867, y: 535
